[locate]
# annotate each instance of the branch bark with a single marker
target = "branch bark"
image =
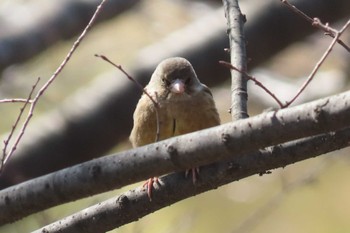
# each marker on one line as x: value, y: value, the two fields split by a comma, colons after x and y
x: 239, y: 95
x: 134, y: 204
x: 220, y: 143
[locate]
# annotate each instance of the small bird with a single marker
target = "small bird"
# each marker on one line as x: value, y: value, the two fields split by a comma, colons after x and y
x: 184, y: 105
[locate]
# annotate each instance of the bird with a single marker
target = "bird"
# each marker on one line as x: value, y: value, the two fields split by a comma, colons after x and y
x: 174, y: 102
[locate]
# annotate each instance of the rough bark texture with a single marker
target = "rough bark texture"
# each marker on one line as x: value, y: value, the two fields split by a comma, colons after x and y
x: 134, y: 204
x: 220, y: 143
x: 239, y: 95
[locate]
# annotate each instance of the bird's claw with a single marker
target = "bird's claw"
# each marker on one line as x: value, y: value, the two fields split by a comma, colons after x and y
x: 195, y: 174
x: 149, y: 185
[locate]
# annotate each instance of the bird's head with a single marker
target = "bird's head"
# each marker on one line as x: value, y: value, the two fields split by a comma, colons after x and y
x: 176, y: 76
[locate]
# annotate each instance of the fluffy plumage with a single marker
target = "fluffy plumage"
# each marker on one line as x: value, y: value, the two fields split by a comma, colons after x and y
x: 185, y: 104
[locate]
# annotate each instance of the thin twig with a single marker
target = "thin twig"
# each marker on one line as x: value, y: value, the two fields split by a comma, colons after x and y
x: 318, y: 64
x: 52, y: 78
x: 316, y: 22
x: 6, y: 156
x: 15, y: 100
x: 249, y: 77
x: 127, y: 75
x: 74, y: 47
x: 308, y: 80
x: 155, y: 102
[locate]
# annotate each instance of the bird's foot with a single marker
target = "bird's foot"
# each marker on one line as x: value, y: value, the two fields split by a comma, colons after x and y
x: 149, y: 185
x: 195, y: 174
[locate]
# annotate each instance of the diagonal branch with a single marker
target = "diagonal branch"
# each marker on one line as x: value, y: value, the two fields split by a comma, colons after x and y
x: 307, y: 81
x: 60, y: 22
x: 134, y: 204
x: 46, y: 85
x: 200, y: 148
x: 257, y: 82
x: 316, y: 23
x: 6, y: 156
x: 319, y: 63
x: 138, y: 84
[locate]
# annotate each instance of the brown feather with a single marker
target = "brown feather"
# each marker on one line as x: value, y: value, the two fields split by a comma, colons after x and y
x: 178, y: 113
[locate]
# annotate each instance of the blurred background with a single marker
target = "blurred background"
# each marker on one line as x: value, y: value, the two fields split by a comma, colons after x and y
x: 87, y: 111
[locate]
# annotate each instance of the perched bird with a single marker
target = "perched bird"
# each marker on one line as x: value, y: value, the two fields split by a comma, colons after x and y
x: 184, y: 105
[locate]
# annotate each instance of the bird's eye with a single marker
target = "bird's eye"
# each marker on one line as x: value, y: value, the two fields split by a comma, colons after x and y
x: 165, y: 81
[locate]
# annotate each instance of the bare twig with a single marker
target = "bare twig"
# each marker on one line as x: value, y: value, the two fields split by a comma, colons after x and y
x: 258, y: 83
x: 15, y: 100
x: 318, y: 64
x: 316, y: 22
x: 155, y: 102
x: 235, y: 22
x: 6, y: 156
x: 308, y: 80
x: 47, y: 84
x: 128, y: 76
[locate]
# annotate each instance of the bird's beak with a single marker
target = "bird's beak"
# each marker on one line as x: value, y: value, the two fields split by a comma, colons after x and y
x: 177, y: 87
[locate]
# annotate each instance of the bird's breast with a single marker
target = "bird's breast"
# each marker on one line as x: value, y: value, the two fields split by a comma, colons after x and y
x: 191, y: 113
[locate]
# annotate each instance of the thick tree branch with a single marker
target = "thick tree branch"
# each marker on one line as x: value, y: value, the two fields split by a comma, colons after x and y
x: 176, y: 154
x: 134, y: 204
x: 239, y: 95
